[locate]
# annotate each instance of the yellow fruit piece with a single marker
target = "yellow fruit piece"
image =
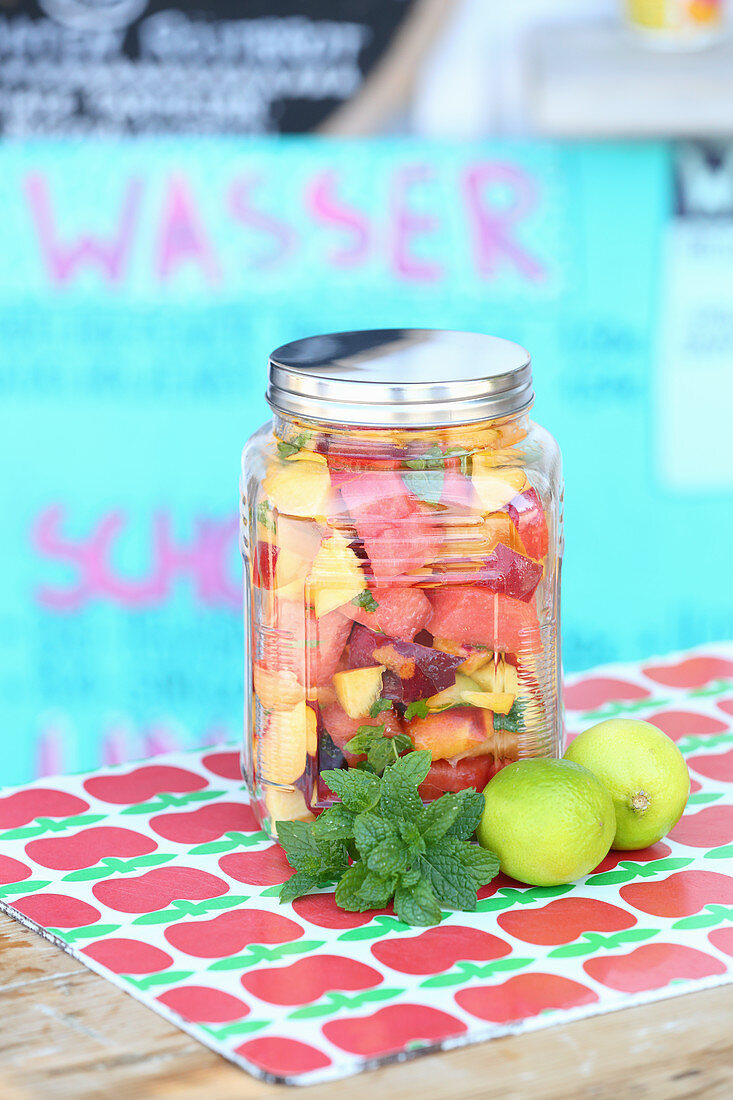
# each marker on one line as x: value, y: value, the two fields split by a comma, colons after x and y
x: 290, y: 736
x: 286, y: 806
x: 336, y: 576
x: 298, y: 488
x: 500, y: 702
x: 496, y: 486
x: 358, y: 689
x: 277, y: 689
x: 501, y: 677
x: 451, y: 696
x: 307, y: 456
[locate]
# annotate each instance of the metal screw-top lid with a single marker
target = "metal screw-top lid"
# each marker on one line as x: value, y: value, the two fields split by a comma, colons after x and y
x: 390, y: 378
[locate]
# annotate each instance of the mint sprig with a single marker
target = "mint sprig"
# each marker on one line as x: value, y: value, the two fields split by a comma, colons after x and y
x: 418, y: 709
x: 366, y: 600
x: 381, y: 843
x: 380, y: 751
x: 265, y: 515
x: 291, y: 447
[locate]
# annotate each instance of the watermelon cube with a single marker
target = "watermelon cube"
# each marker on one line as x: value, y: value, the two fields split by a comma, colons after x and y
x: 473, y: 615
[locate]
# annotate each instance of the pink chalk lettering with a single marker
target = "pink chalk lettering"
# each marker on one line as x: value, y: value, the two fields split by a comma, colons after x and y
x: 408, y: 225
x: 64, y: 261
x: 115, y: 749
x: 50, y: 751
x: 183, y: 238
x: 241, y: 208
x: 206, y: 560
x: 160, y: 738
x: 495, y: 221
x: 328, y: 210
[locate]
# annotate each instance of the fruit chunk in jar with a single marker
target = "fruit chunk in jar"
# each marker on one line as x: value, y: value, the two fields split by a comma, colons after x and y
x: 397, y: 582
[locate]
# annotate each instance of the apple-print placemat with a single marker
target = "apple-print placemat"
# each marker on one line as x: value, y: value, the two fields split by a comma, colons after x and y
x: 155, y: 876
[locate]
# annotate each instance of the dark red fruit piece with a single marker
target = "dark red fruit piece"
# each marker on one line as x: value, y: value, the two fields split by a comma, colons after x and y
x: 510, y: 573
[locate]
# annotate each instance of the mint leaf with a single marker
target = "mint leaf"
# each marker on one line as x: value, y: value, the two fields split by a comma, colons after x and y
x: 336, y: 823
x: 416, y: 904
x: 287, y: 448
x: 471, y: 809
x: 479, y: 862
x: 385, y: 751
x: 426, y: 485
x: 302, y: 883
x: 411, y: 835
x: 513, y: 721
x: 399, y: 797
x: 363, y: 739
x: 418, y: 709
x: 447, y: 875
x: 371, y: 829
x: 301, y: 846
x: 347, y: 891
x: 366, y: 600
x: 437, y: 817
x: 414, y: 767
x: 265, y: 516
x: 433, y: 459
x: 357, y: 790
x: 389, y: 857
x: 379, y: 706
x: 376, y: 890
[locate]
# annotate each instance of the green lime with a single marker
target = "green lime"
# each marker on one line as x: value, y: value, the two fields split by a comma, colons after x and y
x: 644, y: 772
x: 548, y: 821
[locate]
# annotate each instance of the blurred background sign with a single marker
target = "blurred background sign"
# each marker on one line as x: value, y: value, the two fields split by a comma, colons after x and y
x: 146, y: 272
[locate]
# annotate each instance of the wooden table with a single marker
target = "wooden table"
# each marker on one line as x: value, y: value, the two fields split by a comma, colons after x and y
x: 66, y: 1032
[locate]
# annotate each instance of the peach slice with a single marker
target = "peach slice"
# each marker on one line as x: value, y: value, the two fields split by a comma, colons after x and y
x: 501, y: 677
x: 463, y: 731
x: 474, y: 658
x: 500, y: 702
x: 286, y: 805
x: 336, y: 576
x: 358, y: 689
x: 278, y: 689
x: 289, y: 738
x: 452, y: 696
x: 496, y: 485
x: 298, y: 488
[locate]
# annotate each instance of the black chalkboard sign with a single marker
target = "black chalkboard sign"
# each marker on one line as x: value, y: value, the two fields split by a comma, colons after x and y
x: 72, y: 67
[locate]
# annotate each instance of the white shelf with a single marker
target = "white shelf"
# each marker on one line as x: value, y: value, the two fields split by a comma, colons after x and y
x: 596, y: 80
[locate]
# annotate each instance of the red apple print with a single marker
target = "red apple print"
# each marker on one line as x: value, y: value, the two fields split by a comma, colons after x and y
x: 231, y: 932
x: 692, y: 672
x: 694, y: 786
x: 652, y: 966
x: 714, y: 766
x: 639, y: 855
x: 685, y: 723
x: 722, y: 938
x: 522, y: 996
x: 391, y: 1028
x: 225, y: 764
x: 264, y: 867
x: 12, y: 870
x: 158, y: 888
x: 142, y: 784
x: 123, y: 956
x: 439, y: 949
x: 497, y: 883
x: 203, y: 1005
x: 726, y: 705
x: 22, y: 807
x: 282, y: 1057
x: 308, y: 979
x: 564, y: 919
x: 85, y: 849
x: 322, y: 910
x: 57, y: 911
x: 680, y: 895
x: 597, y: 690
x: 706, y: 829
x: 207, y: 823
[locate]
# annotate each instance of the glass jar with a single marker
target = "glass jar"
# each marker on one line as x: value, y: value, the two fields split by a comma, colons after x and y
x: 401, y: 528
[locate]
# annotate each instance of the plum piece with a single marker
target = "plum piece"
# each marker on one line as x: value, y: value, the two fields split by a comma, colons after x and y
x: 462, y: 731
x: 421, y: 671
x: 362, y: 644
x: 510, y: 573
x: 527, y: 515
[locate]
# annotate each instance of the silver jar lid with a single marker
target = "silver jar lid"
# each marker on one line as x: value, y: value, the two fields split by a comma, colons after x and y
x: 391, y: 378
